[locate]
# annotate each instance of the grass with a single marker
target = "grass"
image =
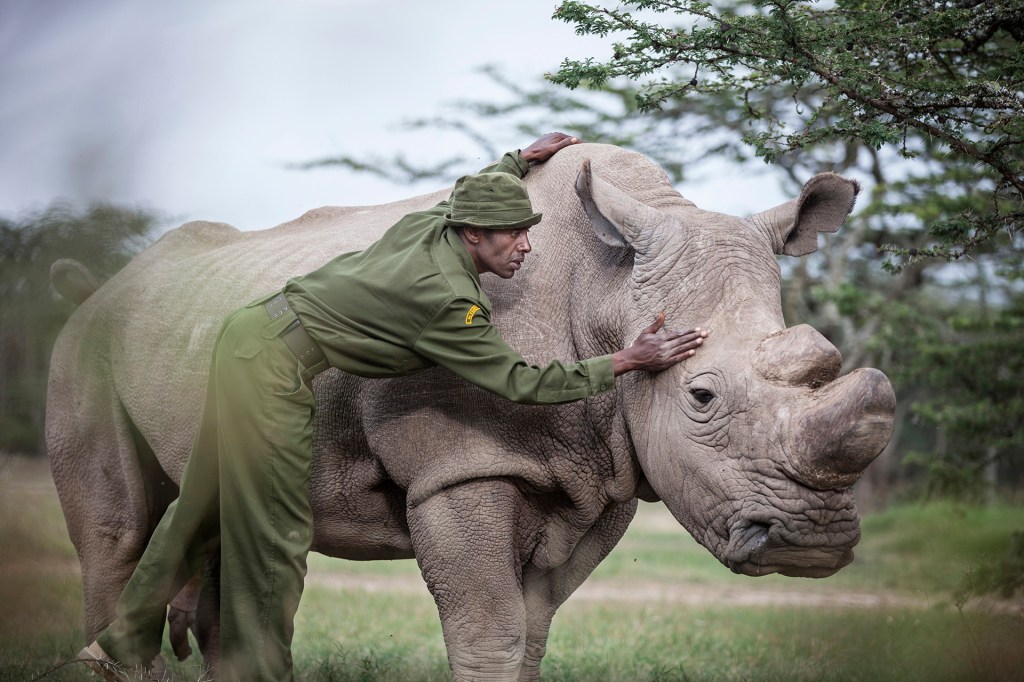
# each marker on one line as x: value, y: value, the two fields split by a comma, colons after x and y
x: 692, y: 628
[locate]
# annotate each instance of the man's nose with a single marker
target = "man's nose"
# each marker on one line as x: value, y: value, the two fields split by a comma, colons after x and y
x: 524, y: 244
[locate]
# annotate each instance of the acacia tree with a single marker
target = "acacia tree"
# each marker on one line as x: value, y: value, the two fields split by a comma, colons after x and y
x: 939, y: 80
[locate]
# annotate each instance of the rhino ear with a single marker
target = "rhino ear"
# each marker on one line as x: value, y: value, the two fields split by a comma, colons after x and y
x: 823, y: 205
x: 617, y: 219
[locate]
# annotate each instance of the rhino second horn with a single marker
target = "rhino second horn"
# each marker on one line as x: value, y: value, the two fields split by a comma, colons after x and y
x: 798, y: 356
x: 846, y: 427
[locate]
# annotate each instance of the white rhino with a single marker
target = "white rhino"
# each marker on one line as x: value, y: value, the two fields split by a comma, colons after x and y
x: 753, y: 444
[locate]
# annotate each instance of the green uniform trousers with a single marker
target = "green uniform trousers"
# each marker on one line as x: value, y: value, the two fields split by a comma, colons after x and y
x: 246, y: 486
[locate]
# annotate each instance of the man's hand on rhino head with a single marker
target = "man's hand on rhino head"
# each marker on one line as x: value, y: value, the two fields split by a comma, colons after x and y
x: 657, y: 349
x: 546, y: 146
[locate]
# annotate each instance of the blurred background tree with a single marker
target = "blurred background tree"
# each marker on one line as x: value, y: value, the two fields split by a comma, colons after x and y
x: 103, y: 238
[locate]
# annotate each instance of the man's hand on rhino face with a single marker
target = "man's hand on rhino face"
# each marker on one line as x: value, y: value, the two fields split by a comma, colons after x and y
x: 657, y: 349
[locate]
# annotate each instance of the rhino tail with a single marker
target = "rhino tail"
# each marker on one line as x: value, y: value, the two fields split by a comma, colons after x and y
x: 72, y: 280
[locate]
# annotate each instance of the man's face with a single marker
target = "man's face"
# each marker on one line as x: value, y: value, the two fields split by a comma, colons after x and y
x: 502, y: 251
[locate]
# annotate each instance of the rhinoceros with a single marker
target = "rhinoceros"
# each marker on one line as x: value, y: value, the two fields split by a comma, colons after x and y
x: 754, y: 443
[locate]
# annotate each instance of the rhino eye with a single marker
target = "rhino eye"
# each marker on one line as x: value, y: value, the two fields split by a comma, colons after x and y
x: 702, y: 396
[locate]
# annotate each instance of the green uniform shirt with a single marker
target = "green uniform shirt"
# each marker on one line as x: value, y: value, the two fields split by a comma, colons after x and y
x: 413, y: 300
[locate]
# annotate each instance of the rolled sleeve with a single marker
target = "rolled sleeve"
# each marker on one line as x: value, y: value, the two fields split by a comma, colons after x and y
x: 511, y: 163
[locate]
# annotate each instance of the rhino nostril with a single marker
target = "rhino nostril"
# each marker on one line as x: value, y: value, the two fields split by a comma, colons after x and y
x: 746, y: 544
x: 753, y: 537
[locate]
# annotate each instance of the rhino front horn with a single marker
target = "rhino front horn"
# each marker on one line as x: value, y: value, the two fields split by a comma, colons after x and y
x: 849, y: 424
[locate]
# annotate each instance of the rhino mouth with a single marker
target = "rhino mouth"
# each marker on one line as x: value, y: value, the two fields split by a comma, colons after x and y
x: 755, y: 550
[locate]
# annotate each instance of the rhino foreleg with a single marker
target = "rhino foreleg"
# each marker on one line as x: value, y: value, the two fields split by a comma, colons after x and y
x: 545, y: 590
x: 466, y: 547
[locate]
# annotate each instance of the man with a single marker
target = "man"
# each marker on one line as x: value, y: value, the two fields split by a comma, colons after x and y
x: 409, y: 301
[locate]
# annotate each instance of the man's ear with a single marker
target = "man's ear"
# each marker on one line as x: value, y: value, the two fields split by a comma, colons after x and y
x: 473, y: 235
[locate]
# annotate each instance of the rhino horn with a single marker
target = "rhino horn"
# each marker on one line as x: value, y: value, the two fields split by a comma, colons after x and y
x: 846, y: 427
x: 617, y: 219
x: 822, y: 206
x: 798, y: 356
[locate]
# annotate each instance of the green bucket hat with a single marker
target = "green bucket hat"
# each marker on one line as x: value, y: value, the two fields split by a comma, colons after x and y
x: 495, y: 201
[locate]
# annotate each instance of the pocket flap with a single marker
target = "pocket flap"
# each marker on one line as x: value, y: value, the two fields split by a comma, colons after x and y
x: 247, y: 347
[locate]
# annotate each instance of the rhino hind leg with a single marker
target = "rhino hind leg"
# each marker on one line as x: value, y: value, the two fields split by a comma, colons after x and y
x: 102, y: 582
x: 112, y: 492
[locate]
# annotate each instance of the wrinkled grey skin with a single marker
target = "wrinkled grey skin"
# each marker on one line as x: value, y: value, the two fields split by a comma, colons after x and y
x: 753, y: 444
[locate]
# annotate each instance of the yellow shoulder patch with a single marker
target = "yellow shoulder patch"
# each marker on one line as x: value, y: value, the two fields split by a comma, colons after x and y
x: 472, y: 311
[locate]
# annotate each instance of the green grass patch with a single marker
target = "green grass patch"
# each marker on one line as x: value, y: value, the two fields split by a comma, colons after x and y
x: 929, y: 547
x: 657, y: 642
x: 345, y: 632
x: 352, y: 635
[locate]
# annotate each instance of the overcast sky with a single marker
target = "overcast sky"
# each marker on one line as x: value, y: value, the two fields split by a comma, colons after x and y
x: 195, y: 108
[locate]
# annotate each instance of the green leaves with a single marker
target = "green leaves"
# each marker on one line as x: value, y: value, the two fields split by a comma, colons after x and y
x: 947, y: 78
x: 965, y: 370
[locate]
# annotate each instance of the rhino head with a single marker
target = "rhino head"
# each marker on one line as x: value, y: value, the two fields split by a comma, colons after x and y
x: 754, y: 443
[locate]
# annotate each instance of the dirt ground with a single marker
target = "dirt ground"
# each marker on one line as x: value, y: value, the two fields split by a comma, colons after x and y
x: 603, y: 591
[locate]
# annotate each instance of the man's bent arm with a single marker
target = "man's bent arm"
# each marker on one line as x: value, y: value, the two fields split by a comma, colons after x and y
x: 462, y: 338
